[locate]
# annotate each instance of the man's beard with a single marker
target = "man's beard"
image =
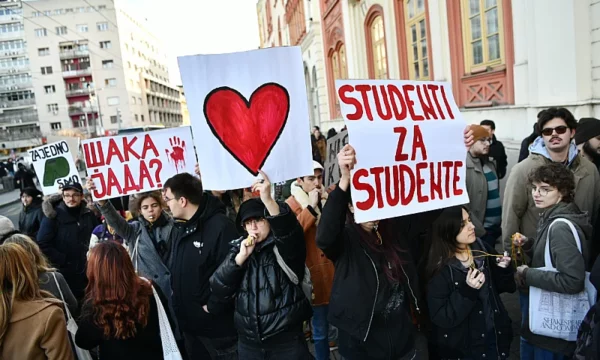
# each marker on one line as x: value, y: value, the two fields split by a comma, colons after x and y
x: 591, y: 153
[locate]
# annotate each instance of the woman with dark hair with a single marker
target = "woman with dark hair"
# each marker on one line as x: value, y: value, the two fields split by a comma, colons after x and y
x: 375, y: 297
x: 552, y: 188
x: 148, y: 238
x: 466, y: 278
x: 120, y: 313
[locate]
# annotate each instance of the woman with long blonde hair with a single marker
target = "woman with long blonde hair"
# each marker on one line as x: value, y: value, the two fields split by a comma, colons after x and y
x: 32, y: 322
x: 46, y: 273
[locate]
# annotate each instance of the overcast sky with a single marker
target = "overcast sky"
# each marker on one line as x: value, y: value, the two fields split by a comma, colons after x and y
x: 200, y: 26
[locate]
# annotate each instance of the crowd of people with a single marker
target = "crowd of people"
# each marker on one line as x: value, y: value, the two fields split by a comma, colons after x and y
x: 239, y: 274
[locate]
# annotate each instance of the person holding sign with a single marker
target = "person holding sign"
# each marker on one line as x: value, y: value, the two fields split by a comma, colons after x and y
x: 375, y: 301
x: 466, y: 277
x: 270, y: 307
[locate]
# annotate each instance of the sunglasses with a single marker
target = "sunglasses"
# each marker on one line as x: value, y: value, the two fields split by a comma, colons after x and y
x: 559, y: 130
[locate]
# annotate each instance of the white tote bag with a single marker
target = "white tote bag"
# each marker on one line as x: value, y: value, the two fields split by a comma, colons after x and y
x: 559, y: 315
x: 80, y: 354
x: 170, y: 349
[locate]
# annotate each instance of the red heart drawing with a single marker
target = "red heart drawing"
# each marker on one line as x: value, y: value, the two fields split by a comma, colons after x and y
x: 248, y: 130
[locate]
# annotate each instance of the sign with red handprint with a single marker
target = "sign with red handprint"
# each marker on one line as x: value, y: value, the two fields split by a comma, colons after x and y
x: 134, y: 163
x: 249, y: 112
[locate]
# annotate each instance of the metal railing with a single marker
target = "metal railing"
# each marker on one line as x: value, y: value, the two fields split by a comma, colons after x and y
x: 18, y: 118
x: 11, y: 104
x: 20, y: 136
x: 14, y: 69
x: 13, y: 52
x: 16, y: 86
x: 12, y: 34
x: 73, y: 92
x: 80, y: 72
x: 79, y: 110
x: 68, y: 54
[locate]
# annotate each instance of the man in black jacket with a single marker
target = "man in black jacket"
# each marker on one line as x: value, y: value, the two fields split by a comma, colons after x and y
x: 64, y: 235
x: 31, y: 215
x: 269, y: 307
x: 497, y: 153
x: 199, y: 245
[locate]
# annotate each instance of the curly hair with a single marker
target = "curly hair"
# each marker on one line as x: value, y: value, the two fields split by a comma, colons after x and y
x: 558, y: 176
x: 135, y: 204
x: 118, y: 297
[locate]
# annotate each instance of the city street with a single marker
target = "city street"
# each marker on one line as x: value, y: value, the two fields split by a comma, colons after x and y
x: 12, y: 212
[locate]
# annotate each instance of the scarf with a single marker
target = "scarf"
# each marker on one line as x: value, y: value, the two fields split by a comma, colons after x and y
x: 303, y: 199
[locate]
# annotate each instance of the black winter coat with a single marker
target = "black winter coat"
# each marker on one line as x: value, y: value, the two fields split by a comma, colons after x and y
x: 458, y: 313
x: 356, y: 281
x: 200, y: 246
x: 65, y: 239
x: 498, y: 155
x: 267, y: 302
x: 31, y: 218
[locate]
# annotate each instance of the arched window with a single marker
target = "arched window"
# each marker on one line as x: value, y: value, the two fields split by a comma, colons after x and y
x: 376, y: 49
x: 416, y: 39
x: 338, y: 65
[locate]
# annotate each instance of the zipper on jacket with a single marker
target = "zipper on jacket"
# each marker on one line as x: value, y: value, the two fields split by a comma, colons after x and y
x: 376, y: 294
x: 411, y: 290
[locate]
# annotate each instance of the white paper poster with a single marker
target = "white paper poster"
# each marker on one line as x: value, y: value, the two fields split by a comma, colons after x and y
x: 248, y: 112
x: 332, y: 169
x: 410, y: 153
x: 134, y: 163
x: 54, y: 166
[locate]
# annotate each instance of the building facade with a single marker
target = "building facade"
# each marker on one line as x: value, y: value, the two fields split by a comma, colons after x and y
x: 98, y: 69
x: 506, y: 59
x: 19, y: 126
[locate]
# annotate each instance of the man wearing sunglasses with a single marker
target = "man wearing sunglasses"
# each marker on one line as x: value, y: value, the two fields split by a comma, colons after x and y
x: 557, y: 127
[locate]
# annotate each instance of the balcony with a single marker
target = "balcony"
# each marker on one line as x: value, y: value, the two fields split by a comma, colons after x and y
x: 80, y: 110
x: 76, y: 92
x: 77, y: 73
x: 20, y: 136
x: 16, y: 86
x: 12, y: 35
x: 18, y: 103
x: 14, y: 70
x: 13, y: 53
x: 22, y: 117
x: 73, y: 54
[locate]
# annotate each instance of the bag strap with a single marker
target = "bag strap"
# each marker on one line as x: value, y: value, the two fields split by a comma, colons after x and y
x: 62, y: 296
x: 547, y: 258
x: 135, y: 253
x: 286, y: 269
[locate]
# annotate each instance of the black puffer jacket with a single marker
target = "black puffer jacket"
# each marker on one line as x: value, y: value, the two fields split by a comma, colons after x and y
x: 199, y: 246
x: 463, y: 317
x: 267, y: 302
x: 31, y: 217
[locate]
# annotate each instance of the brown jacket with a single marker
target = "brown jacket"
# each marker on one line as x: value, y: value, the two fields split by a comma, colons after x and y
x: 37, y: 331
x: 321, y: 268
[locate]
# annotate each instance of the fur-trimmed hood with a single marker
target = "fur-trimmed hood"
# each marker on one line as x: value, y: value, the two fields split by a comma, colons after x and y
x: 51, y: 202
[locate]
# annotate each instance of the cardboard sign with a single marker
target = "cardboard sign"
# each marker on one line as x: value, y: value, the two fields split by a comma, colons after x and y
x: 54, y: 166
x: 248, y: 112
x: 134, y: 163
x: 410, y: 151
x: 332, y: 170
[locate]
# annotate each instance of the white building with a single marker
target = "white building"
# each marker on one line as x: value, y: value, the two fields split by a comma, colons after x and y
x: 19, y: 126
x: 95, y: 65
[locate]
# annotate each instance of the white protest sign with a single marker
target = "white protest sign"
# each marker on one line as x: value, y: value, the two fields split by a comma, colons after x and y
x: 410, y: 151
x: 332, y: 170
x: 134, y: 163
x: 248, y: 112
x: 54, y: 166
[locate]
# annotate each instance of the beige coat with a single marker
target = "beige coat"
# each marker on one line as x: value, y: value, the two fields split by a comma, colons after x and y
x: 477, y: 188
x: 519, y: 213
x: 37, y: 331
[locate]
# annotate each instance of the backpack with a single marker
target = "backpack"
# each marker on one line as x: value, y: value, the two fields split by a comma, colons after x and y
x: 588, y: 337
x: 306, y: 285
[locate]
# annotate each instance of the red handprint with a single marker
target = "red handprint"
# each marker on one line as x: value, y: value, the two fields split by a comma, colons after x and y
x: 177, y: 153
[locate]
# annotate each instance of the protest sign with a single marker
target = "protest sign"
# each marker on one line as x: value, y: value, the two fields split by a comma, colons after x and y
x: 332, y: 170
x: 410, y: 151
x: 54, y: 166
x: 248, y: 113
x: 134, y: 163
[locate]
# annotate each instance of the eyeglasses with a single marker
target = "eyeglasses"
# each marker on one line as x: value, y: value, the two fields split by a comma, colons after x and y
x: 254, y: 222
x: 559, y: 130
x: 167, y: 199
x: 71, y: 196
x: 543, y: 191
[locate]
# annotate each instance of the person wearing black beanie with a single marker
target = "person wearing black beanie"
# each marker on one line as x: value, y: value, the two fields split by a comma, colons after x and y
x: 587, y: 139
x: 31, y: 215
